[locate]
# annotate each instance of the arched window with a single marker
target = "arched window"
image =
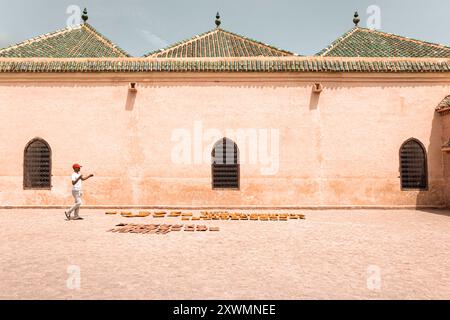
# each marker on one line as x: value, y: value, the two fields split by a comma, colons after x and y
x: 37, y: 165
x: 413, y: 165
x: 225, y: 165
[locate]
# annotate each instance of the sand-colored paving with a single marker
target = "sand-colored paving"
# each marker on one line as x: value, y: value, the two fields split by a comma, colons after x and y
x: 363, y: 254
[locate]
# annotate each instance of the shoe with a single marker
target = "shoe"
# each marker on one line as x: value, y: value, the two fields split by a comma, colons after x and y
x: 67, y: 215
x: 78, y: 218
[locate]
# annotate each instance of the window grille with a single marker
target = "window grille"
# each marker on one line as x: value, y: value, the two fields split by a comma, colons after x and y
x: 413, y: 165
x: 225, y: 165
x: 37, y: 165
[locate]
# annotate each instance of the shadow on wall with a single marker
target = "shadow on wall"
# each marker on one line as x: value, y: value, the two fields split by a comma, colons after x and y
x: 435, y: 195
x: 131, y: 99
x: 314, y: 100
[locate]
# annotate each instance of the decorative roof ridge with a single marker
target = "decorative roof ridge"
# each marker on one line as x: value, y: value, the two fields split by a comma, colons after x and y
x: 347, y: 34
x: 41, y: 37
x: 393, y: 35
x: 102, y: 38
x: 258, y: 42
x: 65, y: 30
x: 182, y: 42
x: 211, y: 32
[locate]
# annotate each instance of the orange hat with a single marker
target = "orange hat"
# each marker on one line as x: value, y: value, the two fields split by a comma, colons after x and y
x: 76, y: 165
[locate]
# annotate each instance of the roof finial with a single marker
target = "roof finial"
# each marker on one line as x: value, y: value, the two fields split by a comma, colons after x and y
x: 85, y: 15
x: 218, y: 22
x: 356, y: 19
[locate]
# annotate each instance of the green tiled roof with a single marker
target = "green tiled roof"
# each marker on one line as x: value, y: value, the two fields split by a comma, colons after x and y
x: 219, y: 43
x: 362, y: 42
x: 81, y: 41
x: 277, y: 64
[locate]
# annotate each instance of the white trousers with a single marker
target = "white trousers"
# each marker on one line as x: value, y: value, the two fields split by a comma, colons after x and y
x: 76, y: 207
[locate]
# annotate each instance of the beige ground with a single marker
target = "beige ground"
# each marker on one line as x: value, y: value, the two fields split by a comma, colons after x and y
x: 331, y: 254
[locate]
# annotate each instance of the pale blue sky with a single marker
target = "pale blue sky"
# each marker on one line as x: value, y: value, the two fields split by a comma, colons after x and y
x: 303, y: 27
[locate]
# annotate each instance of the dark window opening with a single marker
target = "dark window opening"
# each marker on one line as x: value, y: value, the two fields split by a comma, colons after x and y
x: 413, y: 165
x: 225, y: 165
x: 37, y: 165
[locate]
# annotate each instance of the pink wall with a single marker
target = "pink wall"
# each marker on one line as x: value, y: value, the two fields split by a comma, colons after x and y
x: 339, y: 148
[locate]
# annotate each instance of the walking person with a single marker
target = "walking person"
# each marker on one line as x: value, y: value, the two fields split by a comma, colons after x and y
x: 77, y: 192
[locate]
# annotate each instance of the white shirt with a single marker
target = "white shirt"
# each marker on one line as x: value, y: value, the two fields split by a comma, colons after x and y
x: 76, y: 186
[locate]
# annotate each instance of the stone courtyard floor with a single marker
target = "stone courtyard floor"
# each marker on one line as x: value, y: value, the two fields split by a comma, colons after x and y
x: 361, y: 254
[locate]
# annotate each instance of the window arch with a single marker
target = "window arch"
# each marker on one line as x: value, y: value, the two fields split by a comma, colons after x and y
x: 413, y: 165
x: 225, y: 164
x: 37, y: 171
